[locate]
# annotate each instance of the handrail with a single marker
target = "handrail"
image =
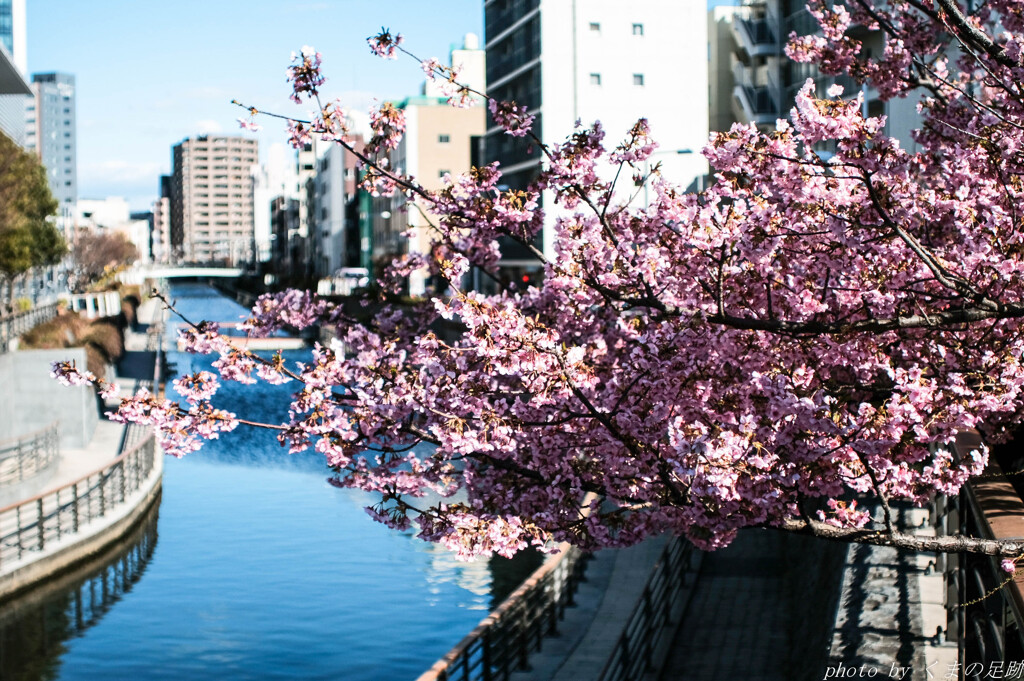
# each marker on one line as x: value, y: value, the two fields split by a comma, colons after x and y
x: 29, y: 525
x: 503, y: 640
x: 15, y: 325
x: 985, y: 610
x: 27, y: 455
x: 633, y: 655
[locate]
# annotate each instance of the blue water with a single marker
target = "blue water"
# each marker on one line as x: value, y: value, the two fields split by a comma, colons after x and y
x: 264, y: 571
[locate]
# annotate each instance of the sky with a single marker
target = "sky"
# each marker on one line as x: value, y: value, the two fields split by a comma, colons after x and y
x: 149, y: 74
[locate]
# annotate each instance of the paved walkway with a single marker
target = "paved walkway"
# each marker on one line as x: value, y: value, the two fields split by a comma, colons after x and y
x: 771, y: 607
x: 742, y: 622
x: 615, y: 580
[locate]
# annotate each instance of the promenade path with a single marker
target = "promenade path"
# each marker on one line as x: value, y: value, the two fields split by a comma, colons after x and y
x: 100, y: 475
x: 770, y: 607
x: 757, y: 604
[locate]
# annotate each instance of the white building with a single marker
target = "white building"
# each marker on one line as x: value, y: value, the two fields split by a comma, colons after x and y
x: 604, y: 60
x: 107, y: 213
x: 50, y: 133
x: 274, y: 178
x: 13, y: 67
x: 330, y: 196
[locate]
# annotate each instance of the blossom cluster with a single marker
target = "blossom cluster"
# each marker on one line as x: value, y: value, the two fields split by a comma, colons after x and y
x: 810, y: 332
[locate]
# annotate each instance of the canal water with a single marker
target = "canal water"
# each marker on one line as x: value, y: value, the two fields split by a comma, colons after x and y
x: 252, y: 567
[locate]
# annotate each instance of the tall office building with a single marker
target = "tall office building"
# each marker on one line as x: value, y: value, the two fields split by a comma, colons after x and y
x: 50, y: 132
x: 13, y: 66
x: 604, y: 60
x: 211, y: 199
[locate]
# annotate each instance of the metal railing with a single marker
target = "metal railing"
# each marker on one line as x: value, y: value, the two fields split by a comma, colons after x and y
x: 15, y: 325
x: 634, y: 653
x: 29, y: 455
x: 985, y: 612
x: 503, y: 641
x: 34, y: 524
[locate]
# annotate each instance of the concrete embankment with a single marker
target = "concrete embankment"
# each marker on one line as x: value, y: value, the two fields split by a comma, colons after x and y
x: 100, y: 491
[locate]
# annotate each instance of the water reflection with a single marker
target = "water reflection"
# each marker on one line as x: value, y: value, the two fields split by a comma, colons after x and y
x: 35, y: 626
x: 265, y: 571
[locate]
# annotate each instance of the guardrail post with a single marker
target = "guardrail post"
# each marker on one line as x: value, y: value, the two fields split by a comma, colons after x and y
x: 523, y: 639
x: 74, y: 515
x: 17, y: 519
x: 486, y: 654
x: 648, y: 651
x: 39, y: 524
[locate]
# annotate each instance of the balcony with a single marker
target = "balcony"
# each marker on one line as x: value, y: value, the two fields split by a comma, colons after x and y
x: 756, y: 95
x: 758, y: 34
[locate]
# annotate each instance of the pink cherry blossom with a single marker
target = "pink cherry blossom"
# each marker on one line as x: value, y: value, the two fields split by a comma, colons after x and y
x: 801, y: 342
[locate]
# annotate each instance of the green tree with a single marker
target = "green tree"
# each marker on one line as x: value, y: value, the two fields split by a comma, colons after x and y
x: 28, y: 238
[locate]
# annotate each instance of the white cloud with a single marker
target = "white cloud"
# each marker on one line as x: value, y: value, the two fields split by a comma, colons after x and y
x: 208, y: 126
x: 118, y: 170
x: 137, y: 181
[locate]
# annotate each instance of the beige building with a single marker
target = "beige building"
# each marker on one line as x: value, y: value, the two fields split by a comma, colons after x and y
x: 211, y: 199
x: 438, y: 141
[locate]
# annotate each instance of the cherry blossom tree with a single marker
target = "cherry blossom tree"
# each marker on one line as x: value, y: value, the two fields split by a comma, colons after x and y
x: 800, y: 336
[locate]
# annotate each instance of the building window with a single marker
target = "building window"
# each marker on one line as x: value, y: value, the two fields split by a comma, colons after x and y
x: 444, y: 139
x: 638, y: 29
x: 638, y: 79
x: 595, y: 27
x: 442, y: 173
x: 595, y: 78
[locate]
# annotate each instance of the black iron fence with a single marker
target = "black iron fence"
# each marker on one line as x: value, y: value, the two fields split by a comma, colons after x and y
x: 29, y: 455
x: 634, y: 653
x: 984, y: 606
x: 15, y: 325
x: 33, y: 525
x: 503, y: 641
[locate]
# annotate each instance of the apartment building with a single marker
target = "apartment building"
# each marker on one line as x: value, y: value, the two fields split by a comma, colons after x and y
x: 334, y: 234
x: 764, y: 82
x: 211, y: 199
x: 438, y: 142
x: 50, y: 133
x: 161, y: 235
